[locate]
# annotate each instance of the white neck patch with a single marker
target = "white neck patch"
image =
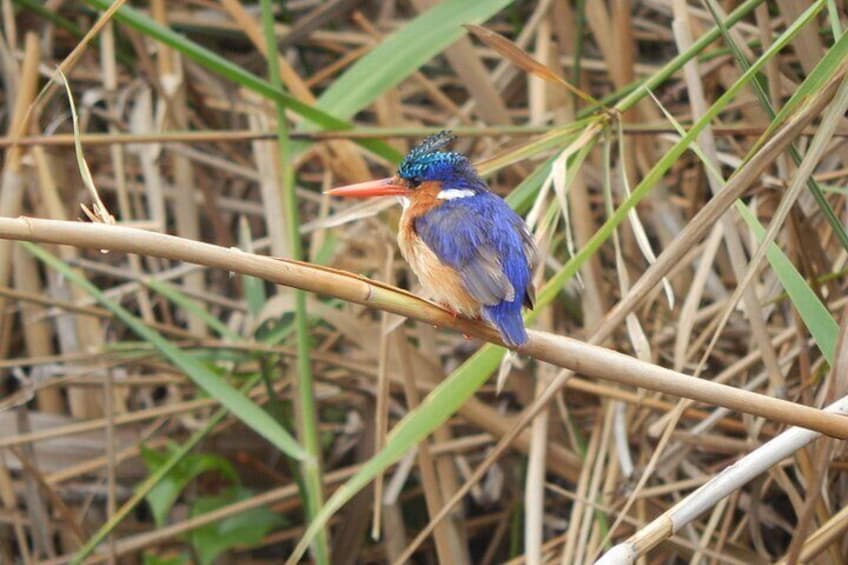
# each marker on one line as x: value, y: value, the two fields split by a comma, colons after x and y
x: 454, y: 193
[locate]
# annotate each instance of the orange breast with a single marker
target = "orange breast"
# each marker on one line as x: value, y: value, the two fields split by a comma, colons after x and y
x: 441, y: 282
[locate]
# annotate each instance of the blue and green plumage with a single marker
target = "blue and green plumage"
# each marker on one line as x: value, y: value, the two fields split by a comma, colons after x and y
x: 472, y: 231
x: 470, y: 251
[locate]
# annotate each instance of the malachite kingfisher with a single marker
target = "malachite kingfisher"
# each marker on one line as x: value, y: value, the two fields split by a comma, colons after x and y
x: 471, y: 252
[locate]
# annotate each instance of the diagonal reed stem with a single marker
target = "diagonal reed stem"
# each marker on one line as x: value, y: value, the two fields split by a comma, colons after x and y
x: 561, y: 351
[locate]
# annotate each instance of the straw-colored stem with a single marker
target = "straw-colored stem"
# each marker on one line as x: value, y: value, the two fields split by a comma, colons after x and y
x: 561, y: 351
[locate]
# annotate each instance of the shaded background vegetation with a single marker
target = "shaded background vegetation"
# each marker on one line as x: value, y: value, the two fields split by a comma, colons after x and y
x: 156, y: 411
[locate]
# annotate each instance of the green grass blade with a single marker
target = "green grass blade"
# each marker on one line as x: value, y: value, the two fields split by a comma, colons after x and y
x: 241, y: 407
x: 826, y: 67
x: 307, y: 410
x: 821, y: 74
x: 696, y: 48
x: 402, y: 53
x: 833, y: 18
x: 254, y: 288
x: 522, y: 196
x: 815, y: 315
x: 55, y: 17
x: 440, y: 404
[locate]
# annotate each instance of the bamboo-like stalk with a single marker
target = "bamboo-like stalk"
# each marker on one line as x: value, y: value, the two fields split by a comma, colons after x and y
x: 74, y: 335
x: 10, y: 501
x: 118, y: 157
x: 36, y: 329
x: 381, y: 416
x: 451, y: 545
x: 561, y: 351
x: 690, y: 507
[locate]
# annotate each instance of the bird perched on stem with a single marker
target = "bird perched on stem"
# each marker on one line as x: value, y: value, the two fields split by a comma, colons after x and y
x: 470, y: 251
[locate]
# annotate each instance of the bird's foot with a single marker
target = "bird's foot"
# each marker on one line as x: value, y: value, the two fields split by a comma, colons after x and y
x: 447, y: 307
x: 454, y: 314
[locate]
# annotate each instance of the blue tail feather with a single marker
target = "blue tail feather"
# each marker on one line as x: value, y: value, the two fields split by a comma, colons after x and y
x: 506, y: 317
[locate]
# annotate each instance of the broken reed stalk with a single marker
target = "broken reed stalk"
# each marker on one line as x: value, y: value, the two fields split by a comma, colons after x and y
x: 561, y: 351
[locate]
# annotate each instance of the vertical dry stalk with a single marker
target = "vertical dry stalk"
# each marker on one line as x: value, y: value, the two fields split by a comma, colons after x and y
x: 186, y: 212
x: 12, y: 180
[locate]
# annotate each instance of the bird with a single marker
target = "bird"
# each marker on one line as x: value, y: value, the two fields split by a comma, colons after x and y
x: 471, y: 252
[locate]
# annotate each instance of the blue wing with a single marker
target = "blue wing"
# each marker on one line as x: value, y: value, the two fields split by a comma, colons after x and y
x: 489, y: 246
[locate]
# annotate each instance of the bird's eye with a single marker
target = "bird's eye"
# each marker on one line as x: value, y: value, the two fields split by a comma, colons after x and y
x: 414, y: 182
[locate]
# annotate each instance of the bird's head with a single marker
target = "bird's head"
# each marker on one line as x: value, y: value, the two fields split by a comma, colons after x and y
x: 424, y: 172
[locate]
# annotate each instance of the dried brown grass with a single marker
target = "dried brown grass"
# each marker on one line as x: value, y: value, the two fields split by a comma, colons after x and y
x: 544, y: 471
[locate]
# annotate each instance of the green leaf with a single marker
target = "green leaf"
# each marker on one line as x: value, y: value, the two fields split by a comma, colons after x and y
x: 306, y: 412
x: 243, y: 529
x: 254, y: 288
x: 241, y: 406
x: 402, y: 53
x: 162, y: 497
x: 815, y: 315
x: 326, y: 251
x: 824, y: 71
x: 522, y: 196
x: 154, y: 478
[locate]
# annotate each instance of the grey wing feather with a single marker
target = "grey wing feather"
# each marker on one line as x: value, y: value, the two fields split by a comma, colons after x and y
x: 478, y: 264
x: 532, y: 255
x: 484, y: 278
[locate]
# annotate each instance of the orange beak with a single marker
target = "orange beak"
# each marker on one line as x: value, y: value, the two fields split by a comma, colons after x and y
x: 391, y: 186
